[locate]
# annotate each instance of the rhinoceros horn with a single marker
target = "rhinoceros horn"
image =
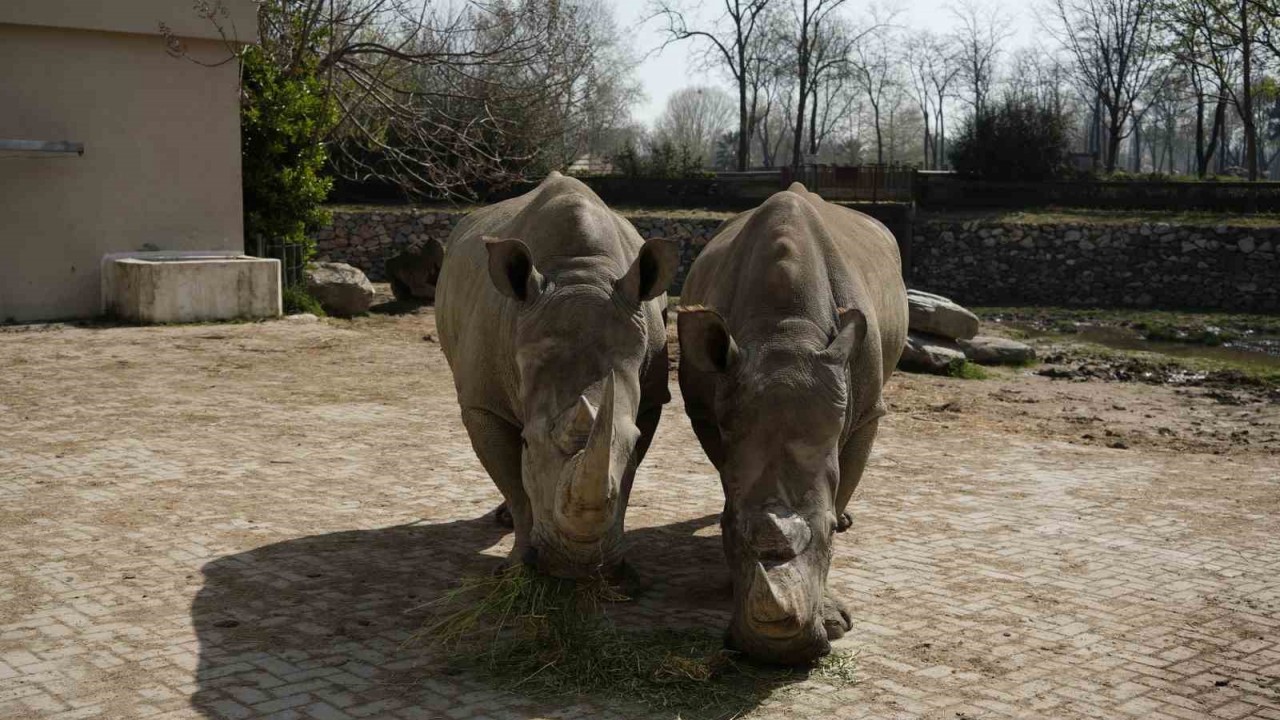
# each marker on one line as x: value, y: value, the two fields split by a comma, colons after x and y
x: 592, y: 488
x: 780, y: 534
x: 767, y: 602
x: 578, y: 423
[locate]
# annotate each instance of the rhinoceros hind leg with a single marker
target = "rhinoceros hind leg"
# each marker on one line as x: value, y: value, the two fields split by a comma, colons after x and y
x: 835, y: 617
x: 502, y: 515
x: 497, y: 444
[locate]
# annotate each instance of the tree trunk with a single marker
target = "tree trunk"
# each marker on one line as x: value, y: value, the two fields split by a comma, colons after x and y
x: 1205, y: 154
x: 940, y: 141
x: 813, y: 121
x: 879, y: 136
x: 1246, y: 112
x: 1114, y: 125
x: 1202, y: 161
x: 802, y: 80
x: 1136, y: 155
x: 925, y: 116
x: 744, y: 120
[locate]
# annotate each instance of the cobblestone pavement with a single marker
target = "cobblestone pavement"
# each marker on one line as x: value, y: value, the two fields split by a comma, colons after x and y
x: 238, y: 521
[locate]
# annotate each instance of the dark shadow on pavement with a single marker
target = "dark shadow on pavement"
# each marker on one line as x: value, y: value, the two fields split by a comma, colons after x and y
x: 398, y: 307
x: 324, y: 626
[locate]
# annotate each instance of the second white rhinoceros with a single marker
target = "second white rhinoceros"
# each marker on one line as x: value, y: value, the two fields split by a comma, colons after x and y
x: 551, y: 314
x: 794, y: 316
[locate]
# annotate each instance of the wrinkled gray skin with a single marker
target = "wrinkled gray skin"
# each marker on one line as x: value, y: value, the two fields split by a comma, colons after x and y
x: 551, y: 314
x: 793, y: 318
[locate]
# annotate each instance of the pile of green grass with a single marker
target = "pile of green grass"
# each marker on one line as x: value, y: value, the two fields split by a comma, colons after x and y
x: 966, y: 370
x: 552, y: 638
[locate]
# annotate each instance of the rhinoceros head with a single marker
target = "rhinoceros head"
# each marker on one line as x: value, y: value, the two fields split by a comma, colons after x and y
x: 581, y: 344
x: 780, y: 408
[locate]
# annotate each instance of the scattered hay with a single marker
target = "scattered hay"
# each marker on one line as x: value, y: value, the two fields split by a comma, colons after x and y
x: 551, y: 638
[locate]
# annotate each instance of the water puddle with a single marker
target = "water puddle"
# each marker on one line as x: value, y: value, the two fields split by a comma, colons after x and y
x: 1250, y: 350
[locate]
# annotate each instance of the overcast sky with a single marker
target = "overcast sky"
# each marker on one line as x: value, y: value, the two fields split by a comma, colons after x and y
x: 676, y: 67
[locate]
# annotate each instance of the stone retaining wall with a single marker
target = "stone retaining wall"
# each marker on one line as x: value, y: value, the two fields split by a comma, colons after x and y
x: 366, y: 238
x: 977, y: 262
x: 1118, y: 265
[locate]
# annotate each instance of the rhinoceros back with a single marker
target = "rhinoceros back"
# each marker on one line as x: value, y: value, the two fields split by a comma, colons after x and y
x: 860, y: 267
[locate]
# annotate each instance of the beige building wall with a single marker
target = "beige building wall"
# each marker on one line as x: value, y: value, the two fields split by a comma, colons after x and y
x: 161, y: 134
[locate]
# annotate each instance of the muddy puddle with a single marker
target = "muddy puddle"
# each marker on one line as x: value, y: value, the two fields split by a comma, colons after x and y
x: 1251, y: 350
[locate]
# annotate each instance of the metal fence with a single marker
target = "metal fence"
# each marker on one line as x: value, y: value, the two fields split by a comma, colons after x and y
x: 860, y: 183
x: 948, y: 191
x: 292, y: 257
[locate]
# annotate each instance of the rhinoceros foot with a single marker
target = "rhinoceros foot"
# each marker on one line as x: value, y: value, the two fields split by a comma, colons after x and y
x: 844, y: 521
x: 835, y: 617
x: 502, y: 516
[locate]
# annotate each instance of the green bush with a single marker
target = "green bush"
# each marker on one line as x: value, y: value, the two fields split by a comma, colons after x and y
x: 1015, y: 141
x: 296, y: 299
x: 282, y: 116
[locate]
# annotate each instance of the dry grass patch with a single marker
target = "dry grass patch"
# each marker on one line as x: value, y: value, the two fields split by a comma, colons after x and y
x: 552, y: 638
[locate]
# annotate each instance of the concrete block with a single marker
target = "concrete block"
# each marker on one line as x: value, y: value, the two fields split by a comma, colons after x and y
x: 179, y: 287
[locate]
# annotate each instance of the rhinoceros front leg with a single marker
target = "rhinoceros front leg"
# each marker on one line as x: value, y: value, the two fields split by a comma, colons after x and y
x: 497, y: 443
x: 853, y: 461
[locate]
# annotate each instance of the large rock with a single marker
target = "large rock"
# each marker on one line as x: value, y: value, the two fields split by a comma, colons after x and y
x: 986, y: 350
x: 929, y: 354
x: 341, y: 289
x: 414, y: 272
x: 940, y: 316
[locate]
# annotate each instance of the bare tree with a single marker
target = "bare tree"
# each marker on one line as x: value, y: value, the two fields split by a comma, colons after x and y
x: 1221, y: 37
x: 774, y: 121
x: 735, y: 39
x: 811, y: 60
x: 980, y: 33
x: 439, y: 98
x: 1115, y: 47
x: 878, y: 70
x: 694, y: 119
x: 1037, y: 75
x: 932, y: 68
x: 832, y: 80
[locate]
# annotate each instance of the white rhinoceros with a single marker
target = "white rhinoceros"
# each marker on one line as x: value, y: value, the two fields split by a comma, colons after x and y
x: 551, y: 314
x: 793, y: 318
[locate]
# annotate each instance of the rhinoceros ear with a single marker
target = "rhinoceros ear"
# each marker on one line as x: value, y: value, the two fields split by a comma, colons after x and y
x: 653, y: 270
x: 511, y: 269
x: 853, y: 329
x: 705, y: 342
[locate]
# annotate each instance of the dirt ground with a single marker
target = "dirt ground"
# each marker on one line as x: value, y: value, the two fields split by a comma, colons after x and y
x: 243, y: 521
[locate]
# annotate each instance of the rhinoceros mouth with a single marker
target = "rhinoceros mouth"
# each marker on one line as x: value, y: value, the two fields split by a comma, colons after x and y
x: 585, y: 539
x: 784, y: 629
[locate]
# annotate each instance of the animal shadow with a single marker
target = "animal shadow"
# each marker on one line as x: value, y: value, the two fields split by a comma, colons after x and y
x: 325, y: 625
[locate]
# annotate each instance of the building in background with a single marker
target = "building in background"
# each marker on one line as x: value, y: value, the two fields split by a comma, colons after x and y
x: 109, y: 142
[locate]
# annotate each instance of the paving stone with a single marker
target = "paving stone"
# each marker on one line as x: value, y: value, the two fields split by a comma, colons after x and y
x: 247, y: 524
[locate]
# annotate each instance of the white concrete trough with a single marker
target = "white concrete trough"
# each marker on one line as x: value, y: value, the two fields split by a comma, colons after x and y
x: 179, y: 287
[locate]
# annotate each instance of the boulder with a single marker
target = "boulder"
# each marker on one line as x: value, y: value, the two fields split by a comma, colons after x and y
x: 986, y: 350
x: 929, y: 354
x: 936, y: 315
x: 414, y: 272
x: 341, y: 289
